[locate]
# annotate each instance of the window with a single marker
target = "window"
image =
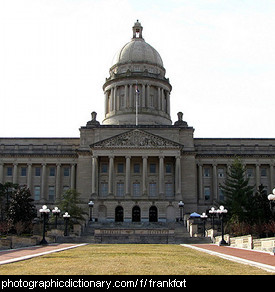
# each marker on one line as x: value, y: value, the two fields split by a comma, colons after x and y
x: 220, y: 172
x: 249, y: 172
x: 207, y: 193
x: 168, y: 168
x: 206, y: 172
x: 23, y: 171
x: 37, y: 193
x: 52, y: 171
x: 37, y: 171
x: 136, y: 189
x: 51, y: 193
x: 66, y: 171
x: 263, y: 172
x: 104, y: 189
x: 120, y: 168
x: 153, y: 168
x: 152, y: 189
x: 169, y: 189
x: 136, y: 168
x: 221, y: 195
x: 120, y: 189
x: 104, y: 168
x: 9, y: 171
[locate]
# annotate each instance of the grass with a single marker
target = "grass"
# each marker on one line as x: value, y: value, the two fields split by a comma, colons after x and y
x: 129, y: 259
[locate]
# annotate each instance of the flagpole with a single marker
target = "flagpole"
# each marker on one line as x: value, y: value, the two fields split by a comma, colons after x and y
x: 136, y: 104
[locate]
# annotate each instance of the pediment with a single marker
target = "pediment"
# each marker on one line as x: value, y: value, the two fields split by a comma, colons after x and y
x: 137, y: 139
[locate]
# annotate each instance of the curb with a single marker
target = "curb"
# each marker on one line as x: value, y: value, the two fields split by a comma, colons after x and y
x: 268, y: 268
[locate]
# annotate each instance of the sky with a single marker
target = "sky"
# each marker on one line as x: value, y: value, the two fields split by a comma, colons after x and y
x: 219, y: 56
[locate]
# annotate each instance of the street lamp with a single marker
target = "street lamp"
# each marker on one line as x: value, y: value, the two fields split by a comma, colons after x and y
x: 91, y: 204
x: 44, y: 212
x: 222, y: 211
x: 56, y: 213
x: 66, y: 217
x: 271, y: 198
x: 181, y: 204
x: 204, y: 218
x: 212, y: 213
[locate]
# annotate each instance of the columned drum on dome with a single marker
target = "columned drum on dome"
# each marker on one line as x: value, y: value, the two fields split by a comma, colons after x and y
x: 137, y: 91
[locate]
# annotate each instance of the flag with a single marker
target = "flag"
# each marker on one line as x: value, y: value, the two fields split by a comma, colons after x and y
x: 137, y: 90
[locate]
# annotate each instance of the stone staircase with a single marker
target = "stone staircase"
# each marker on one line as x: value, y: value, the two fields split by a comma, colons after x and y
x: 137, y: 232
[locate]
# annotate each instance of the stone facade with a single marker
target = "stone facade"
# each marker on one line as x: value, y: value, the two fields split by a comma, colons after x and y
x: 136, y: 165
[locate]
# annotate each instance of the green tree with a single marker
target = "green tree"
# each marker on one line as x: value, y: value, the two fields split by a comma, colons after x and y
x: 238, y: 194
x: 21, y: 209
x: 6, y: 191
x: 70, y: 202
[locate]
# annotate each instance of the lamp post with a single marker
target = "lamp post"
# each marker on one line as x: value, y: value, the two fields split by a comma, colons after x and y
x: 222, y: 211
x: 44, y: 212
x: 181, y: 204
x: 204, y: 218
x: 56, y: 213
x: 91, y: 204
x: 212, y: 213
x: 66, y: 217
x: 271, y: 198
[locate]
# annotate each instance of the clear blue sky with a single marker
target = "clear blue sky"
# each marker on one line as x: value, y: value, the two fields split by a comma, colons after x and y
x: 219, y: 56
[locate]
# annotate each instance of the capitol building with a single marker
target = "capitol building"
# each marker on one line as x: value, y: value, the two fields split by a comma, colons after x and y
x: 137, y: 164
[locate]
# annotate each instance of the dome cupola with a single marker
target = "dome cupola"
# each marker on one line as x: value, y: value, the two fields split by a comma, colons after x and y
x: 137, y: 85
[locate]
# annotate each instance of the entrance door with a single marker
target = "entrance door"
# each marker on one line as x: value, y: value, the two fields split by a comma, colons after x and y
x: 153, y: 214
x: 119, y: 214
x: 136, y: 214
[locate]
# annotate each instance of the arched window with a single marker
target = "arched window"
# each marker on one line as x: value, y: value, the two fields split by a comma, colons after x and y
x: 119, y: 214
x: 153, y: 214
x: 136, y: 214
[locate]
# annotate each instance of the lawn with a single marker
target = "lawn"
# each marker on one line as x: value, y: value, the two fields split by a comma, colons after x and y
x: 129, y: 259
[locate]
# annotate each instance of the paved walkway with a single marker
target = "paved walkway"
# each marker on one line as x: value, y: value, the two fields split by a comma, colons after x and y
x: 258, y: 259
x: 19, y: 254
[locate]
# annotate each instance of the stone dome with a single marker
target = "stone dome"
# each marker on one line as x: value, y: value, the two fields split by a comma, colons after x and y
x: 137, y: 51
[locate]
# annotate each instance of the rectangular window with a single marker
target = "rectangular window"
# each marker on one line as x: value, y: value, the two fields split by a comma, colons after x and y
x: 37, y: 193
x: 206, y: 172
x: 249, y: 172
x: 220, y: 172
x: 51, y: 193
x: 152, y: 189
x: 66, y: 171
x: 168, y: 168
x: 120, y: 189
x: 153, y: 168
x: 9, y: 171
x: 207, y: 193
x: 169, y: 189
x: 136, y: 189
x: 37, y: 171
x: 136, y: 168
x: 104, y: 168
x: 120, y: 168
x: 104, y: 189
x: 263, y: 172
x: 23, y: 171
x: 52, y: 171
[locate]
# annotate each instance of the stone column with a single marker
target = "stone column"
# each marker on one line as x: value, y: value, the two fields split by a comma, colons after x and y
x: 215, y: 182
x: 143, y: 96
x: 144, y: 175
x: 111, y: 176
x: 112, y: 100
x: 73, y: 176
x: 161, y: 176
x: 15, y: 175
x: 43, y: 183
x: 159, y: 99
x: 57, y: 182
x: 94, y: 175
x: 131, y: 99
x: 126, y: 96
x: 29, y: 176
x: 200, y: 182
x: 272, y: 179
x: 258, y: 177
x: 1, y: 173
x: 178, y: 176
x: 128, y: 176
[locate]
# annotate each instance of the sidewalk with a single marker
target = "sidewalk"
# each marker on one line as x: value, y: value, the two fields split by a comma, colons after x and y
x: 19, y: 254
x: 255, y: 258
